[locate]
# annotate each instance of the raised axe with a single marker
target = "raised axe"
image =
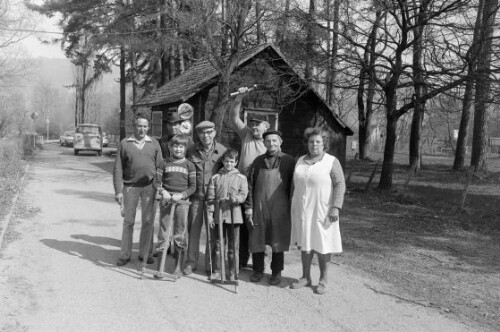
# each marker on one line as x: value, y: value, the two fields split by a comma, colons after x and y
x: 232, y: 94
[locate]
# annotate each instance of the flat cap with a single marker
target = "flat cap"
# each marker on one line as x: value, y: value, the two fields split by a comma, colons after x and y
x: 272, y: 132
x: 205, y: 125
x: 183, y: 112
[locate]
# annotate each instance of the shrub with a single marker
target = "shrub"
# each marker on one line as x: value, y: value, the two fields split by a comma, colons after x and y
x: 11, y: 164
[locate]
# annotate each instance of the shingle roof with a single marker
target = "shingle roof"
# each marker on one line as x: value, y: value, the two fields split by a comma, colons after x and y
x: 203, y: 73
x: 193, y: 80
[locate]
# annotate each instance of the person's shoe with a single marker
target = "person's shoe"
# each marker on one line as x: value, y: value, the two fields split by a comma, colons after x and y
x: 188, y: 270
x: 215, y: 276
x: 151, y: 260
x: 301, y: 283
x: 321, y: 289
x: 275, y: 279
x: 256, y: 276
x: 122, y: 261
x: 232, y: 277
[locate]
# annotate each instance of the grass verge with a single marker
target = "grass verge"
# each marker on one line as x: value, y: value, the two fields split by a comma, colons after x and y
x: 11, y: 171
x: 419, y: 241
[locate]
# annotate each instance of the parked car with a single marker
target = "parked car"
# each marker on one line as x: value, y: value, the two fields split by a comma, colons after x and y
x: 67, y: 138
x: 88, y: 137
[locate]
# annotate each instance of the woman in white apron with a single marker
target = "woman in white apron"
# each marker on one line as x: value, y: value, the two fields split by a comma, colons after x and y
x: 318, y: 195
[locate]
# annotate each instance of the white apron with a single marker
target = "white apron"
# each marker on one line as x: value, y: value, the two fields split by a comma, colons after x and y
x: 310, y: 205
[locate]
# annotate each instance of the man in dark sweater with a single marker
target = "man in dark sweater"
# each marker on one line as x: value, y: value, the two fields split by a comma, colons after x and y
x: 137, y: 158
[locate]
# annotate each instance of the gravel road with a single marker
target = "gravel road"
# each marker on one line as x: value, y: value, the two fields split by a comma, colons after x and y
x: 58, y: 273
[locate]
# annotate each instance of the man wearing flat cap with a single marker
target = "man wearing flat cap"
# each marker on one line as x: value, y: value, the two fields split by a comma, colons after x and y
x: 252, y: 145
x: 178, y: 122
x: 207, y: 158
x: 267, y: 207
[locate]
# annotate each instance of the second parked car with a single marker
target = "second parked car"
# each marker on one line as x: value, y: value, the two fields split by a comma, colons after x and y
x: 67, y: 138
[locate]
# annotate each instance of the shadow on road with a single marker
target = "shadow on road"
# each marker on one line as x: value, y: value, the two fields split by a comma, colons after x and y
x: 99, y: 240
x: 96, y: 254
x: 93, y: 195
x: 93, y: 253
x: 106, y: 166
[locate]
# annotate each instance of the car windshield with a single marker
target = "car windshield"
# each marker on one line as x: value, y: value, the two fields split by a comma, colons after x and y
x: 87, y: 130
x: 68, y: 133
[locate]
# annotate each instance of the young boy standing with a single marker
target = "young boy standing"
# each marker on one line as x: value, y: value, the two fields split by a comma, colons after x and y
x: 176, y: 181
x: 227, y: 190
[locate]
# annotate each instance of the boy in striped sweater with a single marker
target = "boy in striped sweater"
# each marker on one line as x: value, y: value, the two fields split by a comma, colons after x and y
x: 176, y: 181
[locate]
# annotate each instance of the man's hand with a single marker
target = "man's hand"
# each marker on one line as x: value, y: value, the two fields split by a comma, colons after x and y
x: 211, y: 222
x: 119, y: 198
x: 249, y: 218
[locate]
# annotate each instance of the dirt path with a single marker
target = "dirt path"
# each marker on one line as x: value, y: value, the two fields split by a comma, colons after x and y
x: 57, y: 273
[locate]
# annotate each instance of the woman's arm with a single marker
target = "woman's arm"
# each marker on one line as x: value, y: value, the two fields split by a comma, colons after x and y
x: 338, y: 185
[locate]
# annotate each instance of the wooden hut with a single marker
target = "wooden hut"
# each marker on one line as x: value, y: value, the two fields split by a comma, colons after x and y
x: 281, y: 96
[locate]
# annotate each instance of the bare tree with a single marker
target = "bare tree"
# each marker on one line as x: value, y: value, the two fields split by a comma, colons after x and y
x: 467, y: 104
x: 483, y: 86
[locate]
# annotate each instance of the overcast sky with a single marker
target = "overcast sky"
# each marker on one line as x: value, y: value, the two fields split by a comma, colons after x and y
x: 34, y: 46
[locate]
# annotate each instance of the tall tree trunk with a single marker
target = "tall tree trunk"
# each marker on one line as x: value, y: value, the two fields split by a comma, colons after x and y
x: 84, y: 90
x: 332, y: 52
x: 132, y: 61
x: 483, y: 87
x: 467, y: 104
x: 391, y: 102
x: 308, y: 71
x: 239, y: 10
x: 180, y: 54
x: 282, y: 26
x: 257, y: 16
x: 362, y: 123
x: 367, y: 75
x: 224, y: 28
x: 415, y: 157
x: 390, y: 144
x: 123, y: 82
x: 172, y: 68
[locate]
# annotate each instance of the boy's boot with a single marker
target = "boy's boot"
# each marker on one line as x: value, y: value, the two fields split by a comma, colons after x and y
x: 232, y: 272
x: 179, y: 258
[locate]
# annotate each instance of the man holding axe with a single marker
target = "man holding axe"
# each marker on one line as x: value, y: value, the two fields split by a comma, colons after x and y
x: 252, y: 145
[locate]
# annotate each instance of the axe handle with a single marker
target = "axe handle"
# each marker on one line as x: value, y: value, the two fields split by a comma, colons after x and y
x: 232, y: 94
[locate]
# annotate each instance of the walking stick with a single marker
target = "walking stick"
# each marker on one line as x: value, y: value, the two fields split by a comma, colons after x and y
x: 205, y: 220
x: 222, y: 250
x: 234, y: 247
x: 223, y: 280
x: 161, y: 274
x: 150, y: 236
x: 168, y: 242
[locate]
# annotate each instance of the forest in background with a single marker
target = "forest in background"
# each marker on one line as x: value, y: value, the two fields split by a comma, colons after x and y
x: 410, y: 76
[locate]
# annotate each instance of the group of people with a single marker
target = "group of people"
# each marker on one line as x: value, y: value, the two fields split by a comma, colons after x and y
x: 259, y: 196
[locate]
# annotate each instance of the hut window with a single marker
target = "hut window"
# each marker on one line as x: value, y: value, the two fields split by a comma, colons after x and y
x: 156, y: 122
x: 269, y: 115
